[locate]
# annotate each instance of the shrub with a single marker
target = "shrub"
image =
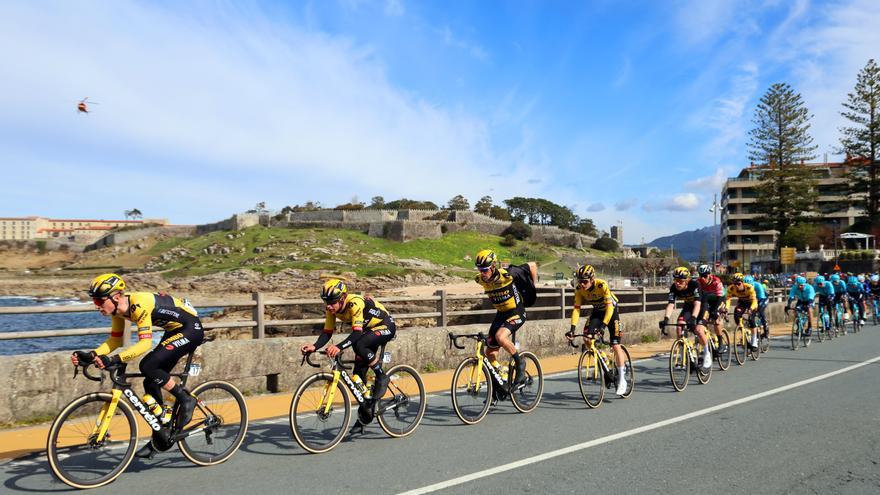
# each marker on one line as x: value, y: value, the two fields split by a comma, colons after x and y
x: 518, y: 230
x: 508, y: 241
x: 606, y: 244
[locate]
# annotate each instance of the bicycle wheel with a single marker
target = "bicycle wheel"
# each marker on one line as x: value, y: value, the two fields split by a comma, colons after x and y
x: 317, y: 428
x: 402, y: 407
x: 756, y: 352
x: 591, y: 379
x: 223, y: 414
x: 806, y: 337
x: 75, y: 457
x: 723, y: 352
x: 471, y: 391
x: 823, y: 323
x: 739, y: 345
x: 874, y: 314
x: 795, y: 333
x: 763, y: 343
x: 527, y: 395
x: 679, y: 365
x: 703, y: 374
x: 628, y: 372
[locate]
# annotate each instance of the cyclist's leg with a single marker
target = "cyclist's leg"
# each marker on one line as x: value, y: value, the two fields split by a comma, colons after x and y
x: 504, y: 337
x: 157, y: 365
x: 762, y: 311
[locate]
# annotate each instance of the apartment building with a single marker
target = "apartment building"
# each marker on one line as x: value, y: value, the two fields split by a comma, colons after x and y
x: 81, y: 230
x: 741, y: 241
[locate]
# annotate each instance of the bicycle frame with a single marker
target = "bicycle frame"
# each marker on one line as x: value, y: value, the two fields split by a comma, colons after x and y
x: 480, y: 355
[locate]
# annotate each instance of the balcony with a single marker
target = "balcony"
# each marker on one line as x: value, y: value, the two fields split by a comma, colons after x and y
x: 757, y: 246
x: 743, y: 216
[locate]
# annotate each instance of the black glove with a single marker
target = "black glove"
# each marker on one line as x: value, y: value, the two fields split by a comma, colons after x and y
x: 663, y: 325
x: 690, y: 321
x: 108, y: 361
x: 85, y: 357
x: 571, y: 331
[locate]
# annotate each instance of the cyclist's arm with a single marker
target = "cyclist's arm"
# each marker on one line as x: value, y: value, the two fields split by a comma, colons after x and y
x: 329, y: 328
x: 576, y: 310
x: 727, y: 300
x: 670, y: 305
x: 115, y: 339
x: 357, y: 323
x: 754, y: 304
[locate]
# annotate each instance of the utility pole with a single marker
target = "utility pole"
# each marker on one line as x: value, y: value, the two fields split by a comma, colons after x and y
x: 714, y: 210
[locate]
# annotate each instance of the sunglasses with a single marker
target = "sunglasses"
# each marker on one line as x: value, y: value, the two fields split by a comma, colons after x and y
x: 99, y: 301
x: 484, y: 269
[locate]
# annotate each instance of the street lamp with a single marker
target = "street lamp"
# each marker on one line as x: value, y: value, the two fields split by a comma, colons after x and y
x: 714, y: 209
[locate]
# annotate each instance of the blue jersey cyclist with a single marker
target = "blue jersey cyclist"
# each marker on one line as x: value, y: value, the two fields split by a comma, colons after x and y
x: 855, y: 294
x: 763, y: 301
x: 826, y: 297
x: 839, y: 287
x: 805, y: 295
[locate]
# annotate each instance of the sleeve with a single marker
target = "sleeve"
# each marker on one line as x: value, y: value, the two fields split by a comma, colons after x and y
x: 144, y: 322
x: 754, y: 304
x: 357, y: 315
x: 115, y: 339
x: 727, y: 299
x: 792, y: 294
x: 329, y: 328
x: 576, y: 310
x: 609, y: 305
x: 671, y: 298
x: 830, y: 289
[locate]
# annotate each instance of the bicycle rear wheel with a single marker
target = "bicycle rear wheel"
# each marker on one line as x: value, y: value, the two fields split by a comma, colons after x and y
x: 756, y: 352
x: 823, y: 323
x: 222, y: 414
x: 723, y: 353
x: 591, y: 379
x: 739, y: 345
x: 679, y: 365
x: 317, y: 428
x: 75, y: 457
x: 806, y: 337
x: 401, y: 409
x: 628, y: 372
x: 704, y: 374
x: 527, y: 395
x: 796, y: 333
x: 471, y: 391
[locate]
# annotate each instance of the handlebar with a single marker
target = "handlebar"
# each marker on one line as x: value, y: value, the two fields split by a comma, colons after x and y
x: 453, y: 338
x: 114, y: 372
x: 307, y: 358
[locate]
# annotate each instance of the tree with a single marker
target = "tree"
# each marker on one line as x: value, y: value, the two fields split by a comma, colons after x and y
x: 801, y: 235
x: 133, y: 214
x: 258, y: 208
x: 780, y: 142
x: 377, y: 203
x: 606, y: 244
x: 518, y: 230
x: 499, y: 213
x: 459, y: 202
x: 861, y: 141
x: 404, y: 204
x: 585, y: 226
x: 484, y: 205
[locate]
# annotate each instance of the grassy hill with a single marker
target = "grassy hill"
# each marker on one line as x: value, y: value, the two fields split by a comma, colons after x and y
x: 269, y: 250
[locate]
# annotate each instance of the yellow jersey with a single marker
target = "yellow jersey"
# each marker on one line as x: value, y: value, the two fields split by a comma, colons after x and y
x: 502, y: 292
x: 362, y: 312
x: 599, y: 296
x: 746, y: 294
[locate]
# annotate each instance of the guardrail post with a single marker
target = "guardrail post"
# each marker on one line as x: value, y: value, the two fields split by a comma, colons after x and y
x: 562, y: 302
x: 259, y: 316
x: 441, y: 307
x: 644, y: 299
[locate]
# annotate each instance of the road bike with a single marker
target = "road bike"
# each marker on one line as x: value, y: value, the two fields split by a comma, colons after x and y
x: 477, y: 384
x: 857, y: 315
x: 799, y: 332
x: 742, y: 338
x: 686, y: 356
x: 93, y: 439
x: 839, y: 320
x: 597, y: 369
x: 320, y: 409
x: 720, y: 345
x: 825, y: 327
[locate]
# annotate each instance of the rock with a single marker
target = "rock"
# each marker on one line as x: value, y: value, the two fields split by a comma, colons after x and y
x: 259, y: 249
x: 140, y: 246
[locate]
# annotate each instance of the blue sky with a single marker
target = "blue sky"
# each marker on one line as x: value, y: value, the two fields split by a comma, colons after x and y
x: 632, y: 111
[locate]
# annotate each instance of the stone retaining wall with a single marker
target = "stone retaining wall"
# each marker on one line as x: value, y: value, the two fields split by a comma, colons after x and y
x: 37, y: 386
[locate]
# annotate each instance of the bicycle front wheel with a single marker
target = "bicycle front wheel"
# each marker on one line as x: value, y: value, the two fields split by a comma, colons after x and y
x: 628, y: 372
x: 724, y: 352
x: 679, y: 365
x: 806, y: 337
x: 823, y: 323
x: 527, y: 395
x: 471, y: 391
x: 219, y: 424
x: 591, y: 379
x: 755, y: 352
x: 704, y: 370
x: 75, y: 455
x: 316, y: 427
x: 739, y: 345
x: 796, y: 334
x: 401, y: 409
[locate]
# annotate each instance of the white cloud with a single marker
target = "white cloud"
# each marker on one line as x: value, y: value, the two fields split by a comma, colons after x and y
x: 594, y: 207
x: 679, y: 202
x: 712, y: 182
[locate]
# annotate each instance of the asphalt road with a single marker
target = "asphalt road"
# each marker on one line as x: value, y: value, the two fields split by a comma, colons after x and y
x: 805, y: 421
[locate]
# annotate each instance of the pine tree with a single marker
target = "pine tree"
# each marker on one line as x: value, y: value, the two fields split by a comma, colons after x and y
x: 861, y: 142
x: 780, y: 142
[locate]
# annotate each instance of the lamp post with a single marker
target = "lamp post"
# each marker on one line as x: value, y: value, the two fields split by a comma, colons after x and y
x: 714, y: 209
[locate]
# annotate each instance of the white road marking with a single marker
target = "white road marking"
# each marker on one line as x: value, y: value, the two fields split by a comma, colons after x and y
x: 624, y: 434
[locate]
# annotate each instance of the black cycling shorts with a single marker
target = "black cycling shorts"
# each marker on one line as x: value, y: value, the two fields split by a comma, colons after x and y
x: 615, y: 333
x: 709, y: 310
x: 511, y: 320
x: 158, y: 363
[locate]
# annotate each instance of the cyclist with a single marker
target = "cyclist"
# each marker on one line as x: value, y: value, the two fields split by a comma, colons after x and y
x: 840, y: 295
x: 499, y: 286
x: 712, y: 289
x: 805, y: 295
x: 874, y: 288
x: 747, y: 302
x: 689, y: 291
x: 596, y: 292
x: 371, y: 327
x: 763, y: 301
x: 826, y: 297
x: 183, y: 334
x: 855, y: 293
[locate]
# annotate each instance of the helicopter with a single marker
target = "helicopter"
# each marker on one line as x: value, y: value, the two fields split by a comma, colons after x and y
x: 83, y: 107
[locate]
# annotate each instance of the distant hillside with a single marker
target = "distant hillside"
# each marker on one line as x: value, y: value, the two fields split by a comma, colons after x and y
x: 689, y: 245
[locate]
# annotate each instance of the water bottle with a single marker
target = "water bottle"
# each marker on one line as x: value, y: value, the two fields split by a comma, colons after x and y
x: 152, y: 405
x: 362, y: 387
x: 166, y: 414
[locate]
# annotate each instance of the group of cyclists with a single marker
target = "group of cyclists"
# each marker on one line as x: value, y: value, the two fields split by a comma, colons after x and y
x: 705, y: 300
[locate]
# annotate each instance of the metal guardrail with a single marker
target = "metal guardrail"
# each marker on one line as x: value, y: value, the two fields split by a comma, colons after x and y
x: 258, y: 322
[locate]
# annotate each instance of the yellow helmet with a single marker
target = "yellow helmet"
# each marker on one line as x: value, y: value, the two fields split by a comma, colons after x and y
x: 738, y: 277
x: 105, y: 285
x: 585, y: 272
x: 333, y: 290
x: 485, y: 259
x: 681, y: 273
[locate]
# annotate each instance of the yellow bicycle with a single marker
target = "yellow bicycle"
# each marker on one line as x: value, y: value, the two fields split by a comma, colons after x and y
x: 686, y: 356
x: 742, y: 337
x: 597, y: 370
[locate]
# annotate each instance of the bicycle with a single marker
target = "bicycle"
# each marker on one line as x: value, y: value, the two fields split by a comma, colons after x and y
x: 857, y: 315
x: 718, y: 345
x: 320, y: 402
x: 763, y: 342
x: 597, y: 371
x: 839, y: 322
x: 475, y: 380
x: 684, y: 356
x: 104, y: 426
x: 825, y: 327
x: 742, y: 338
x: 798, y: 329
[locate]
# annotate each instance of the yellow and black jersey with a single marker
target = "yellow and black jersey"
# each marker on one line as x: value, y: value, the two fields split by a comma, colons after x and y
x: 690, y: 293
x: 502, y: 292
x: 145, y: 311
x: 364, y: 313
x: 599, y: 296
x: 745, y: 295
